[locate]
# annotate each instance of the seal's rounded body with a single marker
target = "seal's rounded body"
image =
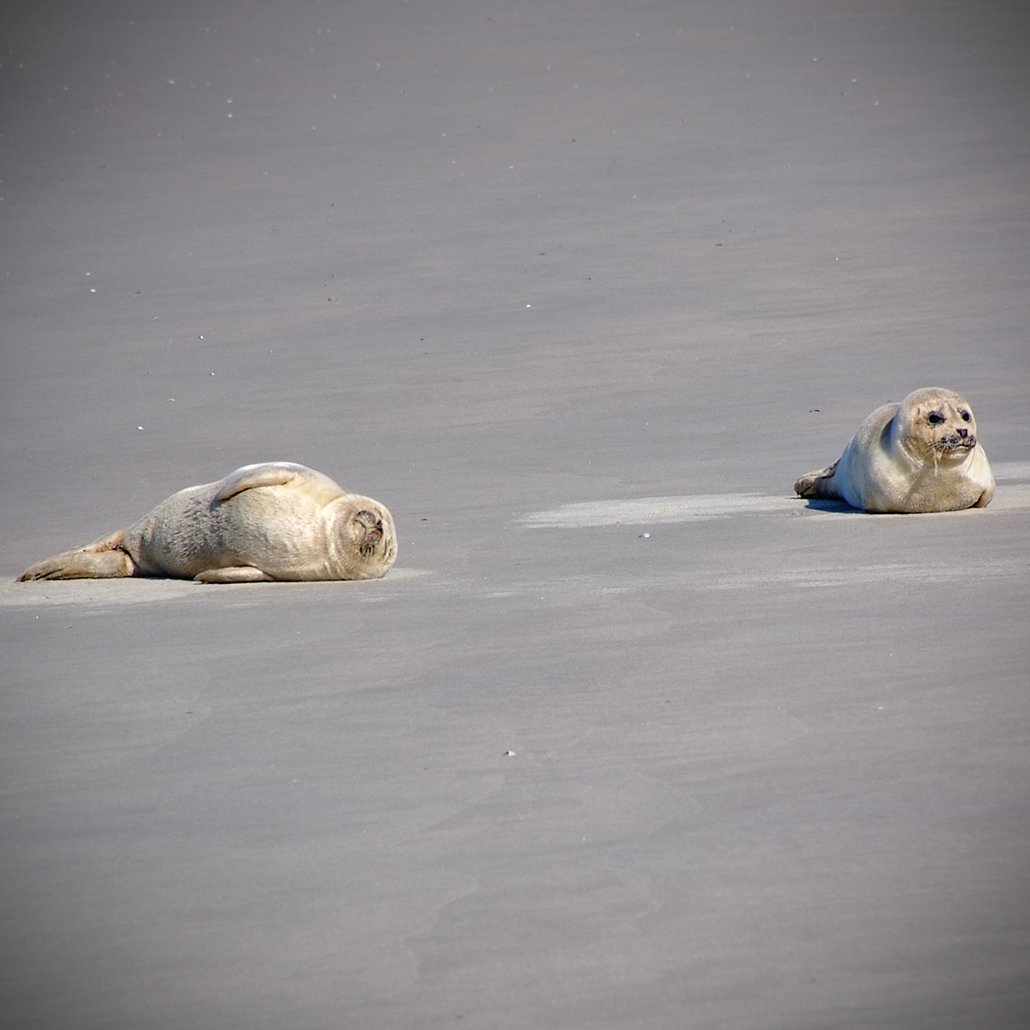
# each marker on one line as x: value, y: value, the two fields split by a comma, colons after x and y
x: 275, y: 521
x: 920, y: 455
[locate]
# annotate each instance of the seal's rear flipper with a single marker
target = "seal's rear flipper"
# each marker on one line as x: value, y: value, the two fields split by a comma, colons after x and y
x: 102, y: 559
x: 234, y: 574
x: 818, y: 485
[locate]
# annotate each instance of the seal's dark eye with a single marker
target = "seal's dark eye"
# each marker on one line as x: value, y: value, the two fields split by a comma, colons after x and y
x: 935, y: 418
x: 965, y: 416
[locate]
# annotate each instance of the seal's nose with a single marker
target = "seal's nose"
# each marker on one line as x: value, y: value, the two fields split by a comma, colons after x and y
x: 962, y: 432
x: 371, y: 521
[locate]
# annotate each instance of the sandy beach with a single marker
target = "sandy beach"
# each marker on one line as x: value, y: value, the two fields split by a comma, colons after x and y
x: 631, y: 737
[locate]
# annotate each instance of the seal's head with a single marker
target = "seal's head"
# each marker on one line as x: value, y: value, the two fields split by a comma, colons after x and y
x: 366, y: 541
x: 936, y: 424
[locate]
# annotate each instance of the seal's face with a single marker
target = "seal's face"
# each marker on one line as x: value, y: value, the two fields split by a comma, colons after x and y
x: 368, y: 531
x: 364, y: 539
x: 938, y: 424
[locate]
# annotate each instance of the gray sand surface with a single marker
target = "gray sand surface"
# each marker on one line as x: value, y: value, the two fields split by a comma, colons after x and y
x: 630, y: 737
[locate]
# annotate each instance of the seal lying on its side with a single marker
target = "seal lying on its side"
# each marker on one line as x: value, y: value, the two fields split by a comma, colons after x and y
x: 919, y: 455
x: 276, y: 521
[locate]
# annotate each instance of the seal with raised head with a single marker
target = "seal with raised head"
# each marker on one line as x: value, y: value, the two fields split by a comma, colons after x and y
x: 917, y: 456
x: 274, y: 521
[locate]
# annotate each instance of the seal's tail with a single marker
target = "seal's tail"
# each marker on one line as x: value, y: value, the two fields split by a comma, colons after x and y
x: 102, y: 559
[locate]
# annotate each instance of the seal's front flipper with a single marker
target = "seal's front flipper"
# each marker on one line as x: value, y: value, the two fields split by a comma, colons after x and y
x: 273, y: 473
x: 318, y: 488
x: 234, y: 574
x: 818, y: 485
x: 102, y: 559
